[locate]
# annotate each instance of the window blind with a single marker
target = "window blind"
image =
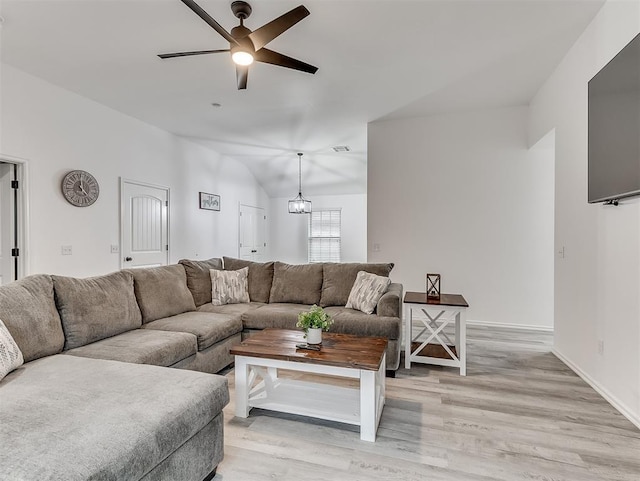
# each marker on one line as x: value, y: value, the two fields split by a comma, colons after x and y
x: 324, y: 235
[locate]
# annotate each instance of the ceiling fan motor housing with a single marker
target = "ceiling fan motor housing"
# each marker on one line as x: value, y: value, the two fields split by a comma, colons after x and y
x: 240, y: 33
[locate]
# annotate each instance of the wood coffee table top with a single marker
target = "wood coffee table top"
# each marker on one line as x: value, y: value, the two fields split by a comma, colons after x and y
x: 341, y: 350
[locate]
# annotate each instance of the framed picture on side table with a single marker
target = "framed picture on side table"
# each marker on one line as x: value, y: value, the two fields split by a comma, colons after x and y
x: 209, y: 201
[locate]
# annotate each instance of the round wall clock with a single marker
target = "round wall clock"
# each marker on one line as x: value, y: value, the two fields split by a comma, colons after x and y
x: 80, y: 188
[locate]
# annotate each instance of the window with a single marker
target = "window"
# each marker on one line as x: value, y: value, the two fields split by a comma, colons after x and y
x: 324, y: 235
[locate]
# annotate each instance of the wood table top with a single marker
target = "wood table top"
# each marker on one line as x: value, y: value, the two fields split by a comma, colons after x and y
x: 455, y: 300
x: 340, y: 350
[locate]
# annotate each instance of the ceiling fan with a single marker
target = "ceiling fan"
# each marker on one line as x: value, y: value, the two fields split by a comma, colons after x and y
x: 247, y: 46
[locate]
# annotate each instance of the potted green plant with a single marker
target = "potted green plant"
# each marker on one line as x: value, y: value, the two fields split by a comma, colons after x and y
x: 314, y: 321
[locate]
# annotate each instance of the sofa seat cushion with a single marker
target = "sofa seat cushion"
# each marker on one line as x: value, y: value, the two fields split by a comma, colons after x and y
x: 208, y: 327
x: 199, y: 278
x: 96, y: 308
x: 142, y: 346
x: 28, y: 309
x: 162, y: 292
x: 260, y: 276
x: 279, y: 316
x: 350, y: 321
x: 300, y: 284
x: 338, y: 280
x: 71, y: 418
x: 235, y: 310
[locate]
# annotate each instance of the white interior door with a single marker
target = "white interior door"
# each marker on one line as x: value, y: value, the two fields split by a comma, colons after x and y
x: 7, y: 224
x: 253, y: 223
x: 145, y: 224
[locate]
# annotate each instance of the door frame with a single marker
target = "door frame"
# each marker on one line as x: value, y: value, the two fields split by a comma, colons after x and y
x: 24, y: 243
x: 124, y: 181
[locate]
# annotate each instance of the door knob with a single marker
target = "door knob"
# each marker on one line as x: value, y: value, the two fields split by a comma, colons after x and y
x: 128, y: 259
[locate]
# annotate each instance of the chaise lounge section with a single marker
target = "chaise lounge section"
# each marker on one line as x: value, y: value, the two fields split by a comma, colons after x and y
x: 87, y: 403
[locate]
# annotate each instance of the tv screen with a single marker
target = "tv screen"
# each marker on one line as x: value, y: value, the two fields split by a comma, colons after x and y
x: 614, y: 127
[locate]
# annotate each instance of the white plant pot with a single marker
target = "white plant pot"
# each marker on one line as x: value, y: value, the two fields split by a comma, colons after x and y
x: 314, y: 336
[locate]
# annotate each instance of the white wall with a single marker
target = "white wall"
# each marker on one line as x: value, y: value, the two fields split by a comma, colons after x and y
x: 289, y: 232
x: 56, y: 131
x: 597, y: 284
x: 462, y: 195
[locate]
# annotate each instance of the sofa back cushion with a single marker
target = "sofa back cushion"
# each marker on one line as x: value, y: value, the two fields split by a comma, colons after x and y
x: 260, y: 277
x: 96, y: 308
x: 28, y: 310
x: 338, y: 280
x: 300, y: 284
x: 199, y: 278
x: 162, y: 291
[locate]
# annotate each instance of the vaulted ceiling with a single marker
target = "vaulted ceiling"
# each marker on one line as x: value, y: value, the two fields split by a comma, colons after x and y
x: 377, y: 59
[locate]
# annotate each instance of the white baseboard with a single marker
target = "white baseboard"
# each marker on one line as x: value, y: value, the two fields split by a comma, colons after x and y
x: 610, y: 398
x: 527, y: 327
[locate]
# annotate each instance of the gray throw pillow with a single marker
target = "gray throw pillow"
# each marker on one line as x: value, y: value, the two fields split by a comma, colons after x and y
x: 96, y: 308
x: 367, y: 291
x: 229, y: 287
x: 299, y: 284
x: 10, y: 354
x: 338, y: 279
x: 199, y: 278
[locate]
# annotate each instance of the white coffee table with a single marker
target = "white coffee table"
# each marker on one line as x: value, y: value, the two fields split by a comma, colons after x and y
x: 258, y: 359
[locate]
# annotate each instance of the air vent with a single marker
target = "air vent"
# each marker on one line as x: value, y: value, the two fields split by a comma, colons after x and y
x: 341, y: 148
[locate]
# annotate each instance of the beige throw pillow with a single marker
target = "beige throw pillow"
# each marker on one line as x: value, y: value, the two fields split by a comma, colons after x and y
x: 367, y: 291
x: 10, y: 354
x: 229, y: 287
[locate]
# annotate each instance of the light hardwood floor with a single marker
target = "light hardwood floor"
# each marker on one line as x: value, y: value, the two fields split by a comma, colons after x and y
x: 520, y: 414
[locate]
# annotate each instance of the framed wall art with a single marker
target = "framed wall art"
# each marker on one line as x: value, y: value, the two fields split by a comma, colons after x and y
x: 209, y: 201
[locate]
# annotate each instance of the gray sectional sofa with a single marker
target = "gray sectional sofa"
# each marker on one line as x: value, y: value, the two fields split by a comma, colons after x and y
x: 95, y: 400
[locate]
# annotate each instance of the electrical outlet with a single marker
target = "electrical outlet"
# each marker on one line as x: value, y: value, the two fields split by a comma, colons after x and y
x: 561, y: 252
x: 115, y: 249
x: 376, y: 247
x: 601, y: 347
x: 66, y: 250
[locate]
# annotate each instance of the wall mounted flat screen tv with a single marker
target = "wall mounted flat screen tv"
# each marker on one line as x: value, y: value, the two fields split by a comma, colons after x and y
x: 614, y: 127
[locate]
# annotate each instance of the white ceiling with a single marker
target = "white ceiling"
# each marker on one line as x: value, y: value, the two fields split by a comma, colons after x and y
x: 377, y: 59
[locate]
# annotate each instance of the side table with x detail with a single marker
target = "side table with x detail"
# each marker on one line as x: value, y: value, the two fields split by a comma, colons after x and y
x: 432, y: 345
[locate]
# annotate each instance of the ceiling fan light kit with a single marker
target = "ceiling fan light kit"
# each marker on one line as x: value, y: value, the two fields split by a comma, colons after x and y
x: 299, y: 205
x: 247, y: 46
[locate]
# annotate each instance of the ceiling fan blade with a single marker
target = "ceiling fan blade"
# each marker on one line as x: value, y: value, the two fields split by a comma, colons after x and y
x: 197, y: 9
x: 265, y: 55
x: 271, y: 30
x: 187, y: 54
x: 242, y: 72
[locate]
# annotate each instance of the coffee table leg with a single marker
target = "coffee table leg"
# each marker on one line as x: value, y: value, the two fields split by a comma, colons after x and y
x: 242, y: 390
x: 368, y: 410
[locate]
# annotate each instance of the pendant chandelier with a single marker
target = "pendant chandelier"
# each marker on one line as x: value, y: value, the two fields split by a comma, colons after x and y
x: 299, y: 205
